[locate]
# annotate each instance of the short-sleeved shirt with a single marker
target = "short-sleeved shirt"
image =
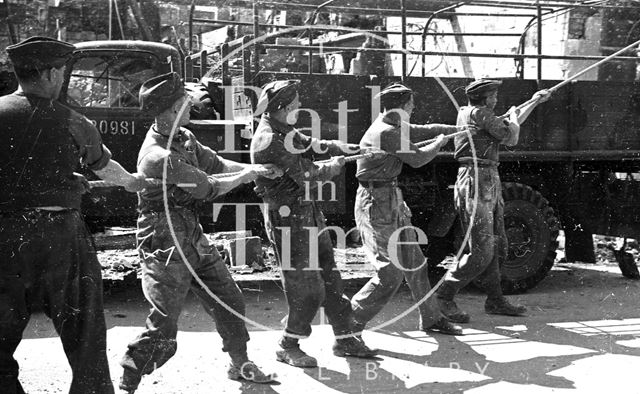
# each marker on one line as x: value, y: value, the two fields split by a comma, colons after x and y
x: 385, y: 133
x: 188, y: 163
x: 42, y: 143
x: 492, y: 131
x: 285, y: 147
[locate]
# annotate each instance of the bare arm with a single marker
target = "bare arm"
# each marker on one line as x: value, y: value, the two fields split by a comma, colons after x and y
x: 245, y: 173
x: 393, y: 142
x: 538, y: 97
x: 226, y: 184
x: 421, y: 156
x: 514, y: 130
x: 232, y: 166
x: 517, y: 117
x: 113, y: 172
x: 428, y: 131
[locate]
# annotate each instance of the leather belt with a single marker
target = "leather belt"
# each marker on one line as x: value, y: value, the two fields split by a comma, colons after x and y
x: 31, y: 212
x: 158, y: 206
x: 373, y: 184
x: 484, y: 163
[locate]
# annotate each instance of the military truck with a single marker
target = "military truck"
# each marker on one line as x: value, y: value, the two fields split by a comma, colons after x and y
x: 102, y: 82
x: 578, y: 157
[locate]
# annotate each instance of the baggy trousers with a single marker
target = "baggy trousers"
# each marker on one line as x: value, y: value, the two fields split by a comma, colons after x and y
x: 488, y: 241
x: 166, y: 280
x: 47, y: 259
x: 380, y: 213
x: 309, y: 274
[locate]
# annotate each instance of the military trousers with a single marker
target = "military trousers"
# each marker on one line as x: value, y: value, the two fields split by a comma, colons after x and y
x: 488, y: 241
x: 309, y: 274
x: 391, y: 245
x: 47, y: 260
x: 166, y: 281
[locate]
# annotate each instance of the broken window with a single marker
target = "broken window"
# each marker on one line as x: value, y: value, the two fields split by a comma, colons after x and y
x: 109, y: 82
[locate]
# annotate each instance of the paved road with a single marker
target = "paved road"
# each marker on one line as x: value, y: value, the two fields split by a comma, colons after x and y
x: 582, y: 336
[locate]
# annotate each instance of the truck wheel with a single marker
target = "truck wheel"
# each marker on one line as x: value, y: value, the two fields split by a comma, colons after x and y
x: 532, y: 231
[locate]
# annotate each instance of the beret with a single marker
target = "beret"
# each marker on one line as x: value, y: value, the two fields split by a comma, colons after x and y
x: 482, y: 87
x: 159, y: 93
x: 393, y: 90
x: 39, y: 53
x: 276, y: 95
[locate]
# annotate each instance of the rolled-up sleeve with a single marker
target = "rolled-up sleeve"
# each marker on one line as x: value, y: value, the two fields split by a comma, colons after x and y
x: 295, y: 165
x: 485, y: 119
x: 391, y: 141
x: 93, y: 153
x: 332, y: 147
x: 179, y: 174
x: 208, y: 159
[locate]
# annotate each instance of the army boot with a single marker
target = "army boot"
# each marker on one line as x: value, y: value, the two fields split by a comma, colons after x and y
x: 353, y: 346
x: 448, y: 306
x: 444, y: 326
x: 292, y: 354
x: 250, y: 372
x: 501, y: 306
x: 129, y: 381
x: 356, y: 327
x: 242, y: 368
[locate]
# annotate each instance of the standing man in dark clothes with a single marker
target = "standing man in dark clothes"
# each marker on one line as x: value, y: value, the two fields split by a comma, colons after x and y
x: 381, y: 212
x: 488, y: 242
x: 46, y: 255
x: 166, y: 278
x: 289, y: 221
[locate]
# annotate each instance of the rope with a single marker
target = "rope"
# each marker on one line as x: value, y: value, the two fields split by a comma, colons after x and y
x: 579, y: 73
x: 347, y: 159
x: 149, y: 182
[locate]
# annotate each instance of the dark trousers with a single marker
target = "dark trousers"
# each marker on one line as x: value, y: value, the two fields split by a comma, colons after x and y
x: 488, y: 241
x: 166, y: 280
x: 47, y: 259
x: 298, y: 240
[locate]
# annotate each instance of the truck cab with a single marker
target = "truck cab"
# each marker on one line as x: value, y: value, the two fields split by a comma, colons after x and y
x: 102, y: 82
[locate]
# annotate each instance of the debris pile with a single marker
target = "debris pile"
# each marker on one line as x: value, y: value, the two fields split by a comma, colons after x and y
x: 247, y: 256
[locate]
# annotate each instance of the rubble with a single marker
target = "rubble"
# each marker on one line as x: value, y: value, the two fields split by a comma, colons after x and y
x: 120, y: 262
x: 245, y: 252
x: 115, y: 238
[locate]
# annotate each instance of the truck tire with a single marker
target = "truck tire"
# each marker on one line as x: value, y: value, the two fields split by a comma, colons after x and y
x: 532, y: 231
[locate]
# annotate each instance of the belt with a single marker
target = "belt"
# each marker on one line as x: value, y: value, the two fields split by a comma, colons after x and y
x: 373, y: 184
x: 276, y: 204
x: 484, y: 163
x: 48, y: 209
x: 34, y: 211
x: 158, y: 206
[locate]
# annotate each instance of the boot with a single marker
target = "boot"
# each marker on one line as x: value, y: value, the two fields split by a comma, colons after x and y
x: 250, y: 372
x: 353, y: 346
x: 292, y: 354
x: 356, y: 326
x: 450, y: 309
x: 129, y: 381
x: 444, y: 326
x: 501, y: 306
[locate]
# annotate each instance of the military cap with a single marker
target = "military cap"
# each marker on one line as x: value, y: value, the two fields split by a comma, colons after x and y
x: 159, y: 93
x: 393, y: 90
x: 482, y: 87
x: 39, y: 53
x: 276, y: 95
